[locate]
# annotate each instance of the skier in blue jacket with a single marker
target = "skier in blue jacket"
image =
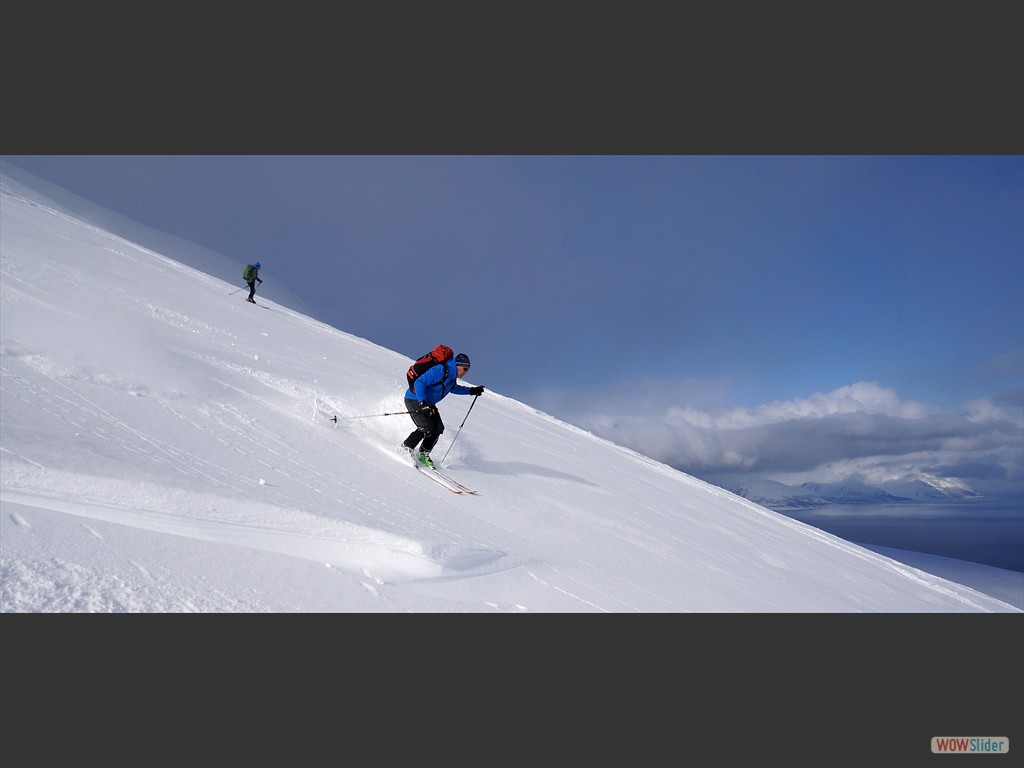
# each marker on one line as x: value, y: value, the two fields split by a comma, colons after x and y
x: 421, y: 400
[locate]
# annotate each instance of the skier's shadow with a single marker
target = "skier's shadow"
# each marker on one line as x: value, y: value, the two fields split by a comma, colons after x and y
x: 522, y: 468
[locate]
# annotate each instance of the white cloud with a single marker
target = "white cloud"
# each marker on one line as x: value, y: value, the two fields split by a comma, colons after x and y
x: 863, y: 427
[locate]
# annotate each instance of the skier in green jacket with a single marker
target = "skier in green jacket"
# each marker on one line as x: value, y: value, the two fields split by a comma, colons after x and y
x: 251, y: 275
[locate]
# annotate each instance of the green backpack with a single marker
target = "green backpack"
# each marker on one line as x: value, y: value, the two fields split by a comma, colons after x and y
x: 249, y: 273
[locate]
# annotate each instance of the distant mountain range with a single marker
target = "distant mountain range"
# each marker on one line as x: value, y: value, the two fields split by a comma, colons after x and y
x: 775, y: 495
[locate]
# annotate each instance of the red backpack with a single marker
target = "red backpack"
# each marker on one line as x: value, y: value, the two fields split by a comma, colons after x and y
x: 439, y: 354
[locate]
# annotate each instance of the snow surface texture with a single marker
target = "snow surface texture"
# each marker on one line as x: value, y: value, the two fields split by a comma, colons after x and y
x: 167, y: 447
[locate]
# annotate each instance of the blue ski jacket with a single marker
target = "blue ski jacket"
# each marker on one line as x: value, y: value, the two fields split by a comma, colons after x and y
x: 429, y: 385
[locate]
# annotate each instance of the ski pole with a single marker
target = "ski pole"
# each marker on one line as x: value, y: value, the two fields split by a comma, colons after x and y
x: 369, y: 416
x: 460, y: 428
x: 240, y: 289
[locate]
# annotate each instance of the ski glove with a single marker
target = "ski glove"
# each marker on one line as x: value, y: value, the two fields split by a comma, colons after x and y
x: 426, y: 408
x: 259, y: 281
x: 476, y: 391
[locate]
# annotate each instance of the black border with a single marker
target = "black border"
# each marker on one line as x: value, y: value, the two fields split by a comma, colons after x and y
x: 719, y: 689
x: 453, y: 80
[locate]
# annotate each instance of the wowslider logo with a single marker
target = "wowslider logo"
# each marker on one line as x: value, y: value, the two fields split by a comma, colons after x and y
x: 978, y: 745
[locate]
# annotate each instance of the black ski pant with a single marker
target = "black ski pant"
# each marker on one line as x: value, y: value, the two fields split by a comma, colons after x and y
x: 252, y: 289
x: 429, y: 427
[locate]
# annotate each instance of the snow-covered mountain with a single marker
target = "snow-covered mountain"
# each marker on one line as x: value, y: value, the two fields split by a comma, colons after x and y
x: 850, y: 491
x: 930, y: 488
x: 776, y: 495
x: 167, y: 447
x: 773, y: 494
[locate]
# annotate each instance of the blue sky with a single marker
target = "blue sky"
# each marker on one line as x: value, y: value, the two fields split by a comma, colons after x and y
x: 745, y: 297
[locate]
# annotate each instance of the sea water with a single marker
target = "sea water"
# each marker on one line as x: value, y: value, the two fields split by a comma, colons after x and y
x: 990, y: 532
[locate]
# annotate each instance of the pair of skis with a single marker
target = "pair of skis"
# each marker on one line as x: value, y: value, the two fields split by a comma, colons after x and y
x: 445, y: 481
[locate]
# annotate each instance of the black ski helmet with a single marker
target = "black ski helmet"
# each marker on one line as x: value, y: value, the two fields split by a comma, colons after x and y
x: 462, y: 359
